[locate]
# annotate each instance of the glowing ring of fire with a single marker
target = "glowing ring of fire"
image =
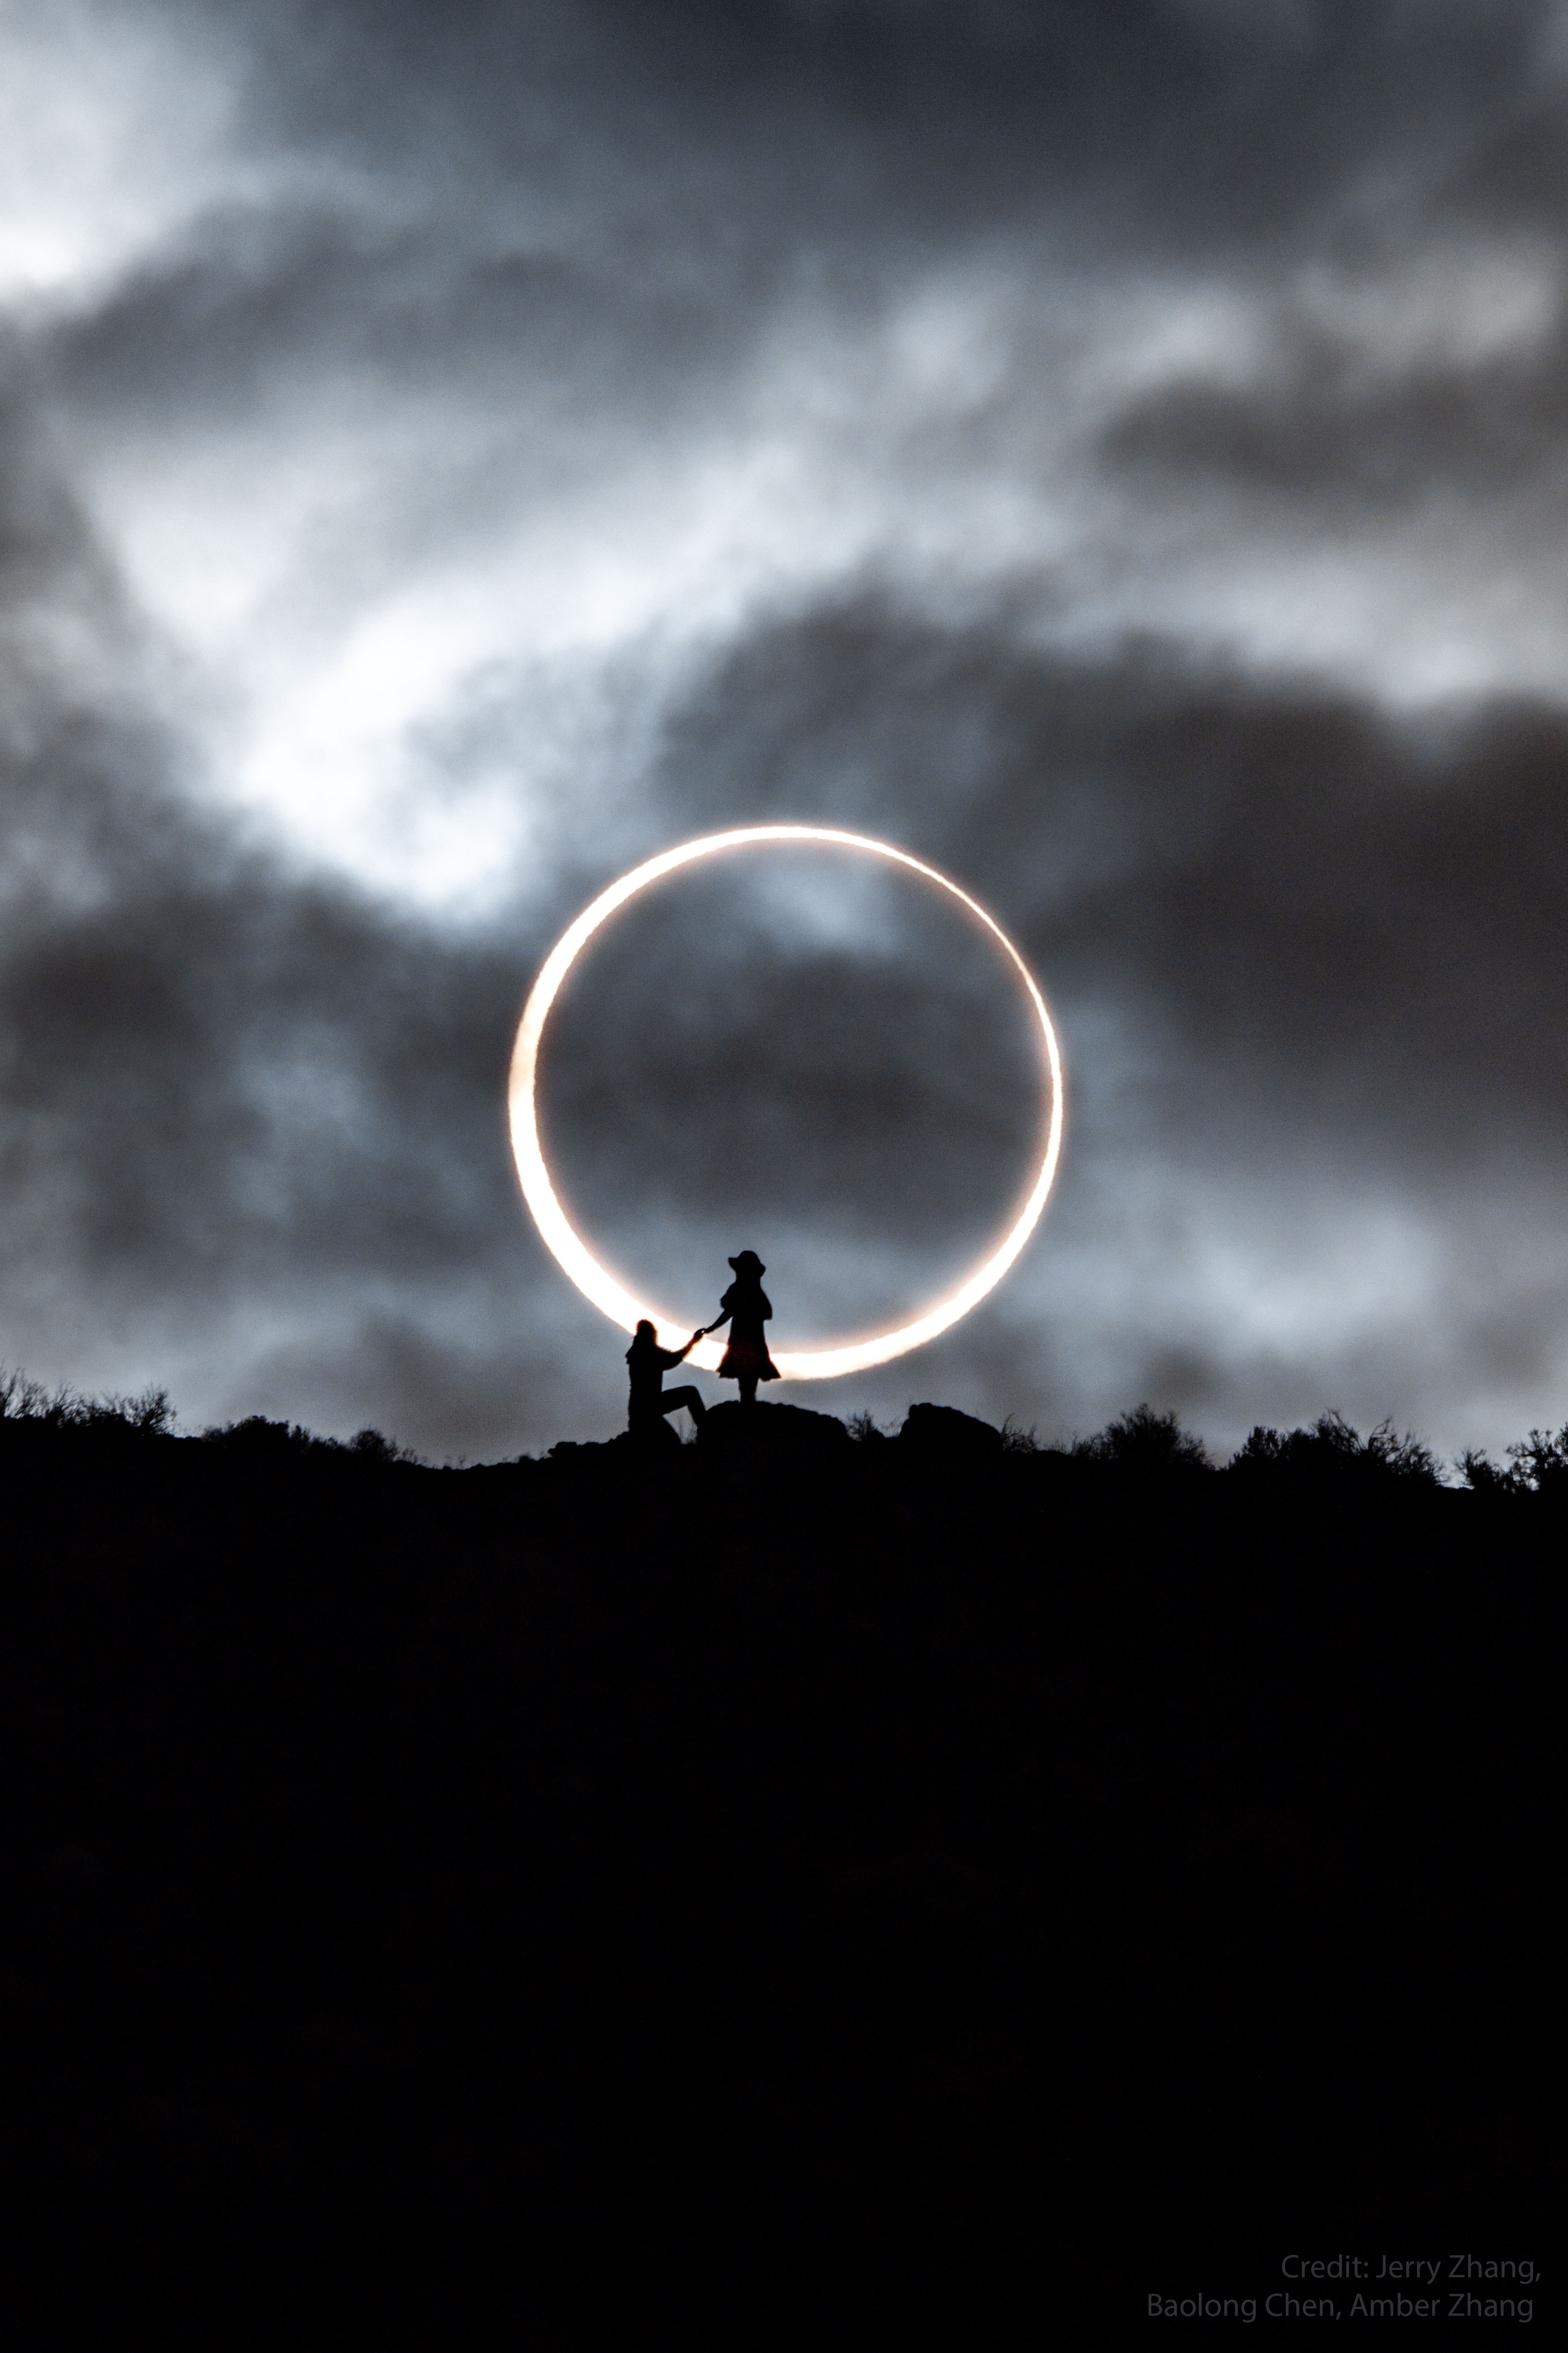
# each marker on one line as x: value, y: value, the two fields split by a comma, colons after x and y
x: 573, y: 1254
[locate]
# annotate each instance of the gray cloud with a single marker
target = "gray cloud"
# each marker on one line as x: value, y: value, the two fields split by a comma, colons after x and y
x: 1114, y: 451
x: 1307, y: 956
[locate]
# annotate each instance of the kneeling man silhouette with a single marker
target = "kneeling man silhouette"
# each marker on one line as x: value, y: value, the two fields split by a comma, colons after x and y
x: 647, y: 1364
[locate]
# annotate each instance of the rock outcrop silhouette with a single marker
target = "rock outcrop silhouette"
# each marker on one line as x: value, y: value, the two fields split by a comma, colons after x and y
x: 775, y: 1434
x: 940, y: 1433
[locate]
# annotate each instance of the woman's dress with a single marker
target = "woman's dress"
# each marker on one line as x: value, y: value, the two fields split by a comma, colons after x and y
x: 747, y: 1306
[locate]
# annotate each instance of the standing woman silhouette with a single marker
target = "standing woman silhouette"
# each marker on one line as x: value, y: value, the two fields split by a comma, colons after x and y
x: 746, y: 1308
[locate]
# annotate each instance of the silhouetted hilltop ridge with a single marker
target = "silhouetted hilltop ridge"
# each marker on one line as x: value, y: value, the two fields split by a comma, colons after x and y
x: 927, y: 1865
x: 1141, y: 1441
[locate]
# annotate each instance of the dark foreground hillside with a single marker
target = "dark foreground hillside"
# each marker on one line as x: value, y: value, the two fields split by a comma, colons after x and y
x: 817, y: 1884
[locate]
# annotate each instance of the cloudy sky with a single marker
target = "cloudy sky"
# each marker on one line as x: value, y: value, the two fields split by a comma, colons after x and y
x: 1116, y: 449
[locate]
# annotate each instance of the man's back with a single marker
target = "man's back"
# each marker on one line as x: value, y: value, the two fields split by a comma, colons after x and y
x: 647, y: 1364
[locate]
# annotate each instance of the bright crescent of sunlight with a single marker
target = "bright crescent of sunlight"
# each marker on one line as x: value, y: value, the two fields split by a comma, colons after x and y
x: 572, y: 1253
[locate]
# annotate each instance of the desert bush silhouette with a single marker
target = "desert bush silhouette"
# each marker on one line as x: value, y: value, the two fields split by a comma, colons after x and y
x: 1537, y: 1465
x: 373, y: 1446
x: 147, y: 1414
x: 256, y: 1438
x: 1143, y: 1440
x: 1334, y: 1447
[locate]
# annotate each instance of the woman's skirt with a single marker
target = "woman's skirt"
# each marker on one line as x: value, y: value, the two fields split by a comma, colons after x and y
x: 747, y: 1354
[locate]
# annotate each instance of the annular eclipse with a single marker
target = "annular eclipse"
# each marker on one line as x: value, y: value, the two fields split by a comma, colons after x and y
x: 572, y: 1252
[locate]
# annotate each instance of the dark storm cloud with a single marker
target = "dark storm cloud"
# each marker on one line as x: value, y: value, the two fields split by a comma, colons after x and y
x: 230, y: 1098
x: 1329, y: 946
x: 1319, y: 431
x: 925, y: 116
x: 550, y: 203
x: 235, y: 1100
x: 1139, y: 616
x: 1295, y: 890
x: 227, y: 324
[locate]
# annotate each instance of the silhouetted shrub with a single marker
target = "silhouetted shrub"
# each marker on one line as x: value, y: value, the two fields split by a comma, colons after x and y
x: 257, y: 1435
x: 1542, y: 1461
x: 1538, y: 1466
x: 1145, y: 1440
x: 22, y: 1399
x: 1486, y: 1477
x: 1334, y: 1446
x: 372, y: 1446
x: 148, y: 1412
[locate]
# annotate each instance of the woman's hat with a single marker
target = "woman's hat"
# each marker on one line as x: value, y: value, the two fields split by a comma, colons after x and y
x: 748, y: 1262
